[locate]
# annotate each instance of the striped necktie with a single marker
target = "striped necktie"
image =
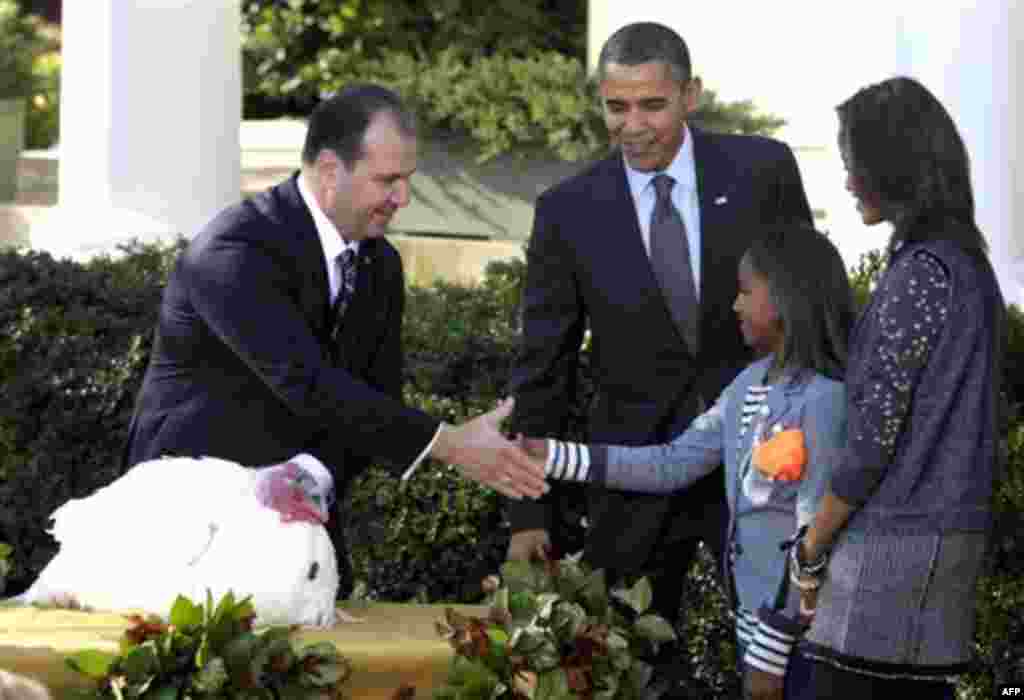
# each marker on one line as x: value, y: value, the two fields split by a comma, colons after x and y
x: 346, y: 261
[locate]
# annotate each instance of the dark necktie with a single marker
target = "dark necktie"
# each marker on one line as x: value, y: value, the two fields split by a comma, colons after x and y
x: 670, y: 258
x: 346, y: 261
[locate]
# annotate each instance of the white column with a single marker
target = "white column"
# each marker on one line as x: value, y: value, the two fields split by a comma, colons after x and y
x: 968, y: 55
x: 150, y: 113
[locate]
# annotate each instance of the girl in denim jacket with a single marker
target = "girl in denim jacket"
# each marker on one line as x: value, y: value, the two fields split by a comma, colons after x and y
x: 778, y: 428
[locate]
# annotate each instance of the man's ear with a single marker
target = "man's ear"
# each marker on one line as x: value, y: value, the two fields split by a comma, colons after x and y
x: 328, y: 169
x: 692, y: 93
x: 327, y: 166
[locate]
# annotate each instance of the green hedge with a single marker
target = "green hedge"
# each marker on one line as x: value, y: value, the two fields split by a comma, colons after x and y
x: 73, y: 346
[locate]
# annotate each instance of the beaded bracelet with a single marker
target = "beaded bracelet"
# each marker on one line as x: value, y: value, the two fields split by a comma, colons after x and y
x: 805, y: 576
x: 801, y: 578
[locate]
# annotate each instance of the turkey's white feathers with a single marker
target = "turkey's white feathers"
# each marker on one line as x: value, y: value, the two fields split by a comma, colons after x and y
x: 181, y: 526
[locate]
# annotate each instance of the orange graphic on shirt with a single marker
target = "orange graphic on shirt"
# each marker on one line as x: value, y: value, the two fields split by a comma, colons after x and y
x: 783, y: 456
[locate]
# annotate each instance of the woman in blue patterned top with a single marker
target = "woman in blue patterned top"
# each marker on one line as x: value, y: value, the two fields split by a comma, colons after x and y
x: 903, y: 527
x: 778, y: 428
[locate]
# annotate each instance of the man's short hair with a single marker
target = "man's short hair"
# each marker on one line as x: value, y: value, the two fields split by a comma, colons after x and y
x: 646, y: 42
x: 340, y: 122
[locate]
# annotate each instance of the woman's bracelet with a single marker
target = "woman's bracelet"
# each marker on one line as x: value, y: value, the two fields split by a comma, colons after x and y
x: 805, y: 575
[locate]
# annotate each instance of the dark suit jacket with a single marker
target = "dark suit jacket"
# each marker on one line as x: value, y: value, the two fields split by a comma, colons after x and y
x: 586, y: 264
x: 242, y: 366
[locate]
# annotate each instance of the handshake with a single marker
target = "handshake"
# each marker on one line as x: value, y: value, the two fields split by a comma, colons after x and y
x: 514, y: 468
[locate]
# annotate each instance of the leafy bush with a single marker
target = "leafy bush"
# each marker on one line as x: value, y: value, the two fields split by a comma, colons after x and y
x: 74, y: 341
x: 20, y: 43
x: 284, y: 40
x: 436, y: 536
x: 42, y: 122
x: 999, y: 638
x: 512, y: 79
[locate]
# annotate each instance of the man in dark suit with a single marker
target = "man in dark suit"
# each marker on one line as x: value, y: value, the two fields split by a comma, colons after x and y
x: 280, y: 327
x: 657, y: 357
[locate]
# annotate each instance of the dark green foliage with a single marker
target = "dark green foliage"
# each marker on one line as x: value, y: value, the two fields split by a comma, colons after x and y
x: 20, y: 43
x: 512, y: 78
x: 436, y: 536
x: 999, y: 638
x: 865, y: 275
x: 286, y: 40
x: 73, y: 346
x: 42, y: 122
x: 74, y: 341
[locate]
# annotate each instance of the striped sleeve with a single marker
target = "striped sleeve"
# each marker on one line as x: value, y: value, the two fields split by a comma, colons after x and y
x: 772, y: 642
x: 573, y: 461
x: 746, y: 626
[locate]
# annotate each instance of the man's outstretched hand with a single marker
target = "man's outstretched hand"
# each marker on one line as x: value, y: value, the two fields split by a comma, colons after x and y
x: 486, y: 456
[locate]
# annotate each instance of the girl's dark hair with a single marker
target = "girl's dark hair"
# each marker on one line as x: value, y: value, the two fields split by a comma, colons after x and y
x: 811, y: 293
x: 904, y: 151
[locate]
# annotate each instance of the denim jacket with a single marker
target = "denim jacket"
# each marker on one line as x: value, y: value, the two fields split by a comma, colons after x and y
x: 762, y: 513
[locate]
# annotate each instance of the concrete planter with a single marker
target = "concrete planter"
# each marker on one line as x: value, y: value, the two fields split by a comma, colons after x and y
x: 12, y: 140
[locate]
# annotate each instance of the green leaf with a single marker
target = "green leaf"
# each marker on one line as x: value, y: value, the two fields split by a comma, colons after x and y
x: 654, y: 628
x: 546, y: 604
x: 594, y: 593
x: 471, y: 679
x: 640, y: 674
x: 546, y: 656
x: 331, y: 669
x: 185, y: 614
x: 91, y: 663
x: 141, y: 664
x: 616, y: 641
x: 566, y: 619
x: 524, y: 576
x: 502, y: 601
x: 638, y: 597
x: 211, y: 678
x: 208, y: 610
x: 497, y: 651
x: 609, y: 689
x: 239, y: 652
x: 552, y: 685
x: 165, y: 692
x: 330, y: 672
x: 5, y: 550
x: 522, y: 604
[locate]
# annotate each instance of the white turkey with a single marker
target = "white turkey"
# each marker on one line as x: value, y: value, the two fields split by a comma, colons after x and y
x: 181, y: 526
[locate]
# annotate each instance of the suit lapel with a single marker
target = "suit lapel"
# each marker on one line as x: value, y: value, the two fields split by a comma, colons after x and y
x: 632, y: 262
x: 366, y: 280
x: 316, y: 293
x: 713, y: 199
x: 619, y: 215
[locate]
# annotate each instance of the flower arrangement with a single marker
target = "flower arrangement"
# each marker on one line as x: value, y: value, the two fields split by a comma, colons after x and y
x: 212, y: 651
x: 555, y: 632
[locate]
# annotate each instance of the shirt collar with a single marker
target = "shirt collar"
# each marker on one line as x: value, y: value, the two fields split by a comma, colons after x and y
x: 682, y: 169
x: 330, y: 239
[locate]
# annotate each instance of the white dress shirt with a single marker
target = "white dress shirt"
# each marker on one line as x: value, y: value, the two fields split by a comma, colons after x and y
x: 333, y: 244
x: 683, y: 170
x: 330, y: 239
